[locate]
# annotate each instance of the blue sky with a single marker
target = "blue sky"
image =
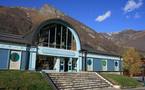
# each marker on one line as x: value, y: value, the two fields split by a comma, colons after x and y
x: 101, y: 15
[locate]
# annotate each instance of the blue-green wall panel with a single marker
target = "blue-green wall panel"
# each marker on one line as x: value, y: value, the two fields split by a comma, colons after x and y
x: 4, y: 58
x: 23, y: 60
x: 97, y: 65
x: 110, y: 65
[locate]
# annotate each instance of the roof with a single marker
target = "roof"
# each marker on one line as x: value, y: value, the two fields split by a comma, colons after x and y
x: 18, y: 25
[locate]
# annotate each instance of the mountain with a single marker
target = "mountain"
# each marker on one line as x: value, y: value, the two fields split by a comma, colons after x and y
x: 128, y: 38
x: 19, y: 25
x: 22, y: 22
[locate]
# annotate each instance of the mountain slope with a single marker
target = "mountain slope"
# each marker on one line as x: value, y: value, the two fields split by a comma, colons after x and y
x: 23, y: 22
x: 128, y: 38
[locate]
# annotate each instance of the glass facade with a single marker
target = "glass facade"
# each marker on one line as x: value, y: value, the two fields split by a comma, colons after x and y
x: 62, y: 64
x: 56, y: 36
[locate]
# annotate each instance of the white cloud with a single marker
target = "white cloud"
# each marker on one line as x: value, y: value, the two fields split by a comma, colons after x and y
x: 132, y: 5
x: 104, y: 16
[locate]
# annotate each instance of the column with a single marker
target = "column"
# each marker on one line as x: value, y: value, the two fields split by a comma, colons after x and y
x: 57, y: 64
x: 32, y: 61
x: 79, y: 64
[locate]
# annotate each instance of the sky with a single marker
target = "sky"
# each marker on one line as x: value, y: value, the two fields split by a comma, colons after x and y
x: 100, y: 15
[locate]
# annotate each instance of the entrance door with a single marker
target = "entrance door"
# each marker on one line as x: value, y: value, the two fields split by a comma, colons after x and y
x: 74, y: 64
x: 66, y: 60
x: 65, y: 64
x: 58, y: 64
x: 70, y: 65
x: 62, y: 64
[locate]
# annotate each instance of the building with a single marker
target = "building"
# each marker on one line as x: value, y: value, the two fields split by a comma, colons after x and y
x: 47, y: 39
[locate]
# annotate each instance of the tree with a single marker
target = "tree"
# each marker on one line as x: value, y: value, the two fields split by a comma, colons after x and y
x: 132, y: 61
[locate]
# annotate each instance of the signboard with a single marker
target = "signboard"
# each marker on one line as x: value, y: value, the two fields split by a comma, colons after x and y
x: 104, y: 65
x: 90, y: 64
x: 15, y: 60
x: 116, y: 65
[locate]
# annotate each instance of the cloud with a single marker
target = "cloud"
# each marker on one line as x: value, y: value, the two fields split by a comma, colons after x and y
x: 131, y: 5
x: 104, y: 16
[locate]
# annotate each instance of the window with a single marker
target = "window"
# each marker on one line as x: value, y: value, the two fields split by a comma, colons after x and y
x: 56, y: 36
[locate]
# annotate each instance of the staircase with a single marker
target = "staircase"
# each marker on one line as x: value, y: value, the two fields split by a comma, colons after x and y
x: 78, y: 81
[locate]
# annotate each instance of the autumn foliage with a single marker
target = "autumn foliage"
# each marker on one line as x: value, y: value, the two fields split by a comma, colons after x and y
x: 132, y: 61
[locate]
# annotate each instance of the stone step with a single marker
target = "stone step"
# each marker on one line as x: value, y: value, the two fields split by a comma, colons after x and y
x: 78, y: 81
x: 102, y: 83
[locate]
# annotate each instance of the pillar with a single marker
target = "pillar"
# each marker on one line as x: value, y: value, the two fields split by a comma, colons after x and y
x: 32, y: 61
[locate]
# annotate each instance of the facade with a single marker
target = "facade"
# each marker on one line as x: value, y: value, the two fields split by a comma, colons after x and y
x: 53, y: 45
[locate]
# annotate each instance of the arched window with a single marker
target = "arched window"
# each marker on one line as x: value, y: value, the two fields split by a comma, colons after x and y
x: 56, y: 36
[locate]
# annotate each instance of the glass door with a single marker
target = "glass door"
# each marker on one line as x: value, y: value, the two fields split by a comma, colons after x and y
x: 70, y: 65
x: 74, y: 64
x: 62, y: 64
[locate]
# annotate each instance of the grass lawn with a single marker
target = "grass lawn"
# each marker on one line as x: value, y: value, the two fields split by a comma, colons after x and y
x: 123, y: 81
x: 22, y: 80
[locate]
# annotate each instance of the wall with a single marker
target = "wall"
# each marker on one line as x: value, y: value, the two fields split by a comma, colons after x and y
x: 5, y: 51
x: 105, y: 62
x: 110, y: 65
x: 4, y: 58
x: 97, y: 65
x: 25, y: 60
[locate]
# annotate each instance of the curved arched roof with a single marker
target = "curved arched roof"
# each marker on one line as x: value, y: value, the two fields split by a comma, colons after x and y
x: 19, y: 24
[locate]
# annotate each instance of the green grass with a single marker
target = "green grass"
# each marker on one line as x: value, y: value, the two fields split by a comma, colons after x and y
x: 123, y: 81
x: 22, y: 80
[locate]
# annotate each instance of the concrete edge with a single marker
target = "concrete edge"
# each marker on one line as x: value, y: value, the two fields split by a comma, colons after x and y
x: 114, y: 86
x: 49, y: 80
